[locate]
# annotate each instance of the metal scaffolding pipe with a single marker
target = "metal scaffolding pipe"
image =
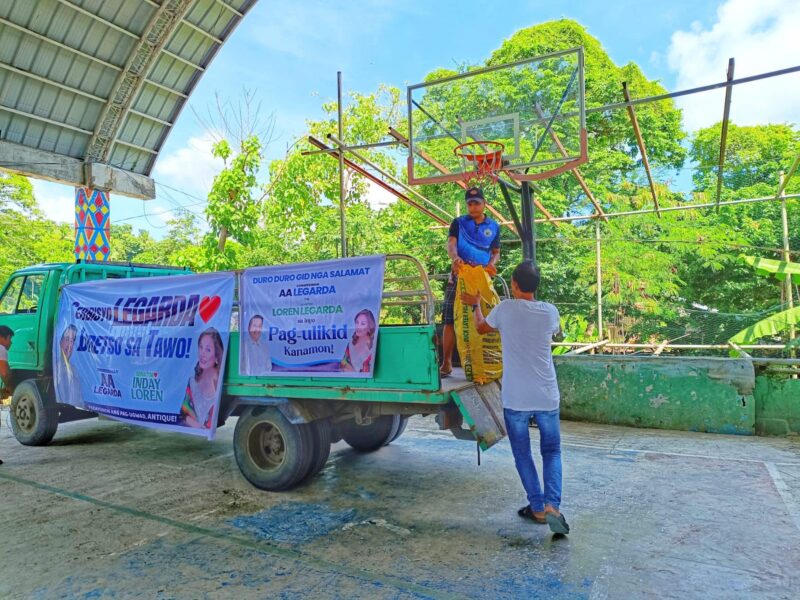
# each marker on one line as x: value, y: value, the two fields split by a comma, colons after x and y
x: 642, y: 148
x: 723, y: 137
x: 392, y: 178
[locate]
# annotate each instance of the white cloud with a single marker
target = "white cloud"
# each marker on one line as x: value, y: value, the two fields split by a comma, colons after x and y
x: 56, y: 200
x: 377, y: 197
x: 761, y: 36
x: 191, y: 168
x: 158, y: 213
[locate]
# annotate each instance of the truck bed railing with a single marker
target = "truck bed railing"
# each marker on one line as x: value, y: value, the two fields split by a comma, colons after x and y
x: 406, y: 295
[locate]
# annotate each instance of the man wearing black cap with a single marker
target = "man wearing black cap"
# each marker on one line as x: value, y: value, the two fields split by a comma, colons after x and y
x: 473, y: 239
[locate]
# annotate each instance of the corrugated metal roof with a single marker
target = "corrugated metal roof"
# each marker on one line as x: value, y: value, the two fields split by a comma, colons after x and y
x: 104, y: 80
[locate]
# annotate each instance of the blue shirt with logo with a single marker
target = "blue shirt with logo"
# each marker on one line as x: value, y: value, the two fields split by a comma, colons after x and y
x: 475, y: 240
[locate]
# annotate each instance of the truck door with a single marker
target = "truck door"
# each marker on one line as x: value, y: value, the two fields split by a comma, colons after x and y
x: 20, y: 310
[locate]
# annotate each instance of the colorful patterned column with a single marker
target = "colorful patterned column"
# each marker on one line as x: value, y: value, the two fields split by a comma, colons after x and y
x: 92, y: 221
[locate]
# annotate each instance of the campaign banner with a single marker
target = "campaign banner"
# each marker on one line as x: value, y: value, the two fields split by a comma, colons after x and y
x: 317, y: 319
x: 148, y: 351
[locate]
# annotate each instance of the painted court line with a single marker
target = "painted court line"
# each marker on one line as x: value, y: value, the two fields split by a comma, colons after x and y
x: 257, y: 545
x: 791, y: 505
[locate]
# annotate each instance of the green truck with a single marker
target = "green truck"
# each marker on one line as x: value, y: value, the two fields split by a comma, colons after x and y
x: 285, y: 426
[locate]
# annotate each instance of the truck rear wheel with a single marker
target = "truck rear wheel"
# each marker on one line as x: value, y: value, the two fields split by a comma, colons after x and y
x: 368, y: 438
x: 272, y: 453
x: 321, y: 437
x: 34, y: 419
x: 400, y: 429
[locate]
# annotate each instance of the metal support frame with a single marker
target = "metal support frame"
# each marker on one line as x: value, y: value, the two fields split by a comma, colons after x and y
x: 723, y: 137
x: 130, y: 80
x: 576, y: 173
x: 664, y: 209
x: 528, y: 231
x: 442, y: 169
x: 599, y: 278
x: 75, y: 51
x: 787, y: 256
x: 642, y: 148
x: 587, y: 348
x: 362, y: 171
x: 390, y: 177
x: 340, y: 142
x: 98, y: 18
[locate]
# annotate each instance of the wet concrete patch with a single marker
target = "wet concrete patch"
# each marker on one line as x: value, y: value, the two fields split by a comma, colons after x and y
x: 294, y: 522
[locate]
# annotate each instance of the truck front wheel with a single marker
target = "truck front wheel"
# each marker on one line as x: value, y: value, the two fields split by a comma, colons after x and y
x: 34, y: 419
x: 272, y: 453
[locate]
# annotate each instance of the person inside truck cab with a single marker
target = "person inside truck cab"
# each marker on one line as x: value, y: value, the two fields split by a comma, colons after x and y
x: 5, y: 371
x: 67, y: 380
x: 201, y: 390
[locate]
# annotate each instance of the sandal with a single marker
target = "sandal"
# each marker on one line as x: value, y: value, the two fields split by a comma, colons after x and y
x: 557, y: 523
x: 445, y: 372
x: 526, y: 513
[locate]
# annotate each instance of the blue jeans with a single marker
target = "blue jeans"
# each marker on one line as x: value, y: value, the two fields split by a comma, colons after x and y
x: 550, y: 447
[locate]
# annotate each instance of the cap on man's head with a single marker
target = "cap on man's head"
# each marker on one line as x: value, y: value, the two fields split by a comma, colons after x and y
x: 474, y: 194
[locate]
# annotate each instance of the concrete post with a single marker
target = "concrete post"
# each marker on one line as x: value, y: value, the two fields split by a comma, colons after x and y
x: 92, y: 223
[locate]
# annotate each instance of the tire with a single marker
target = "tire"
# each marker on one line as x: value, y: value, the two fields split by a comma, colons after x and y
x: 400, y: 429
x: 368, y: 438
x: 321, y: 437
x: 34, y: 419
x: 272, y: 453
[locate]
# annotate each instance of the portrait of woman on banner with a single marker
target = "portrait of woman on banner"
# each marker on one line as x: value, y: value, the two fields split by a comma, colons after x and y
x: 360, y: 349
x: 198, y: 405
x: 68, y: 382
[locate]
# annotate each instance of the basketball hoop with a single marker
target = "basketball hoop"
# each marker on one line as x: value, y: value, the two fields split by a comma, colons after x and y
x: 486, y: 156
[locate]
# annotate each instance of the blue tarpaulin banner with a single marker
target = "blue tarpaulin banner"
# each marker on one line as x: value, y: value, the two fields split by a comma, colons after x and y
x: 149, y: 351
x: 317, y: 319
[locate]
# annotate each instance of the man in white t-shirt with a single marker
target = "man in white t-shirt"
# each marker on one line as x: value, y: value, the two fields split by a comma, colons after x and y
x: 6, y: 334
x: 529, y: 389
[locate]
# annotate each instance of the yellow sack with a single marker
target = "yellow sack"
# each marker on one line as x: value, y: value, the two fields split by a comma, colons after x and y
x: 481, y: 355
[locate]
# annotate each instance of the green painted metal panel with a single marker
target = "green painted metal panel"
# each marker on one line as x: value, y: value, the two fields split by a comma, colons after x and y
x: 695, y: 394
x: 777, y: 405
x: 482, y: 409
x: 405, y: 371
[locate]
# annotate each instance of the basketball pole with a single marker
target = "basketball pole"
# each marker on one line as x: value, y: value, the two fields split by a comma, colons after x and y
x: 528, y: 231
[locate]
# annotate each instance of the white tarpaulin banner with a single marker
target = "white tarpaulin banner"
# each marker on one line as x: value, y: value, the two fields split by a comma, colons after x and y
x: 149, y: 351
x: 316, y: 319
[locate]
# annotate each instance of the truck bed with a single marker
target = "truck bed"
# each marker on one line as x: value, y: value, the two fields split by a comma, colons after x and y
x: 406, y: 370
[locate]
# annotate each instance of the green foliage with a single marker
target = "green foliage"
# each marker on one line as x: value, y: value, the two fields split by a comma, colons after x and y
x: 26, y: 236
x: 771, y: 326
x: 754, y: 155
x: 653, y: 267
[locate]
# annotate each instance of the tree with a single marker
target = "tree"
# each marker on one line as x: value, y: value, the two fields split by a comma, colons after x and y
x: 26, y: 236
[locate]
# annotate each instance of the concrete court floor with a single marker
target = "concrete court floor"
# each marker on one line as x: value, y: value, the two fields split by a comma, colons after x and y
x: 114, y: 511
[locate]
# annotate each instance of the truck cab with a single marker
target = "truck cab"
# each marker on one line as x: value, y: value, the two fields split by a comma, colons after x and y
x: 29, y: 305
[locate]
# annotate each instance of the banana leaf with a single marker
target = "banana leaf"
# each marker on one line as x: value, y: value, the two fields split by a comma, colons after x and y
x: 772, y: 325
x: 779, y: 268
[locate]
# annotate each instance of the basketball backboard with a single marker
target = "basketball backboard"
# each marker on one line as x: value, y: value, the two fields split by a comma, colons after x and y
x: 534, y: 107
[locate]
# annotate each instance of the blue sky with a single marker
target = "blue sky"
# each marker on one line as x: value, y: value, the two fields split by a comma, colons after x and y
x: 288, y: 53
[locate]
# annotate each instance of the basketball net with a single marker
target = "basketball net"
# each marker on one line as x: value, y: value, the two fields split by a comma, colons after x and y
x: 486, y: 159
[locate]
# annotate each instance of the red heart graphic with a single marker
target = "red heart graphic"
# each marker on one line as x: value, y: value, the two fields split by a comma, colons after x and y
x: 155, y: 374
x: 209, y: 306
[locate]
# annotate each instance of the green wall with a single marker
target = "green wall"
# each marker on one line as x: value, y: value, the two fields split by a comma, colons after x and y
x: 691, y: 394
x: 777, y: 405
